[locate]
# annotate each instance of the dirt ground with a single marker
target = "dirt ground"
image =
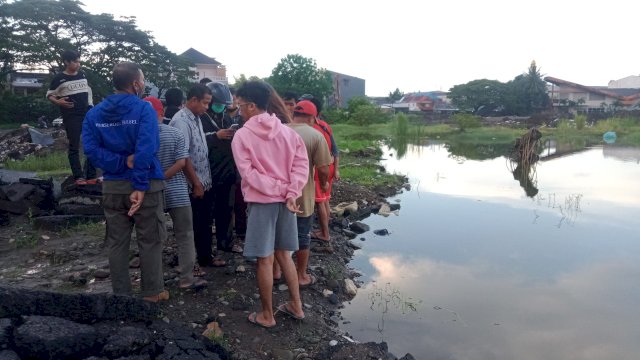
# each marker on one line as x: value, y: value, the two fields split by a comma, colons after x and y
x: 75, y: 260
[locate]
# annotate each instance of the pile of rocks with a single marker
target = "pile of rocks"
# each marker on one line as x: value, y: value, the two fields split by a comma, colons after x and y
x: 27, y: 196
x: 37, y: 199
x: 17, y: 144
x: 46, y: 325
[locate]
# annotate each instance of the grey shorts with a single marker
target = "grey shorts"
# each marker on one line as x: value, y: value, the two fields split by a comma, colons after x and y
x: 270, y: 227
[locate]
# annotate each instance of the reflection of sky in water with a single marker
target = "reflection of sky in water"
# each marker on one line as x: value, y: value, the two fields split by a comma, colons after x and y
x: 494, y: 274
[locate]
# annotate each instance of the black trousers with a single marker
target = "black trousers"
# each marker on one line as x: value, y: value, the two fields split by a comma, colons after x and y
x: 224, y: 199
x: 73, y: 127
x: 240, y: 211
x: 202, y: 220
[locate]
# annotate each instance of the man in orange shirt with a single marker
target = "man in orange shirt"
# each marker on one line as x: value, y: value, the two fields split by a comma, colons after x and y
x: 323, y: 196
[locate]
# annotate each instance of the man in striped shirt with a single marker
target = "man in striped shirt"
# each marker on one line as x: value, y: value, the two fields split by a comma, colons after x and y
x: 198, y: 172
x: 173, y: 155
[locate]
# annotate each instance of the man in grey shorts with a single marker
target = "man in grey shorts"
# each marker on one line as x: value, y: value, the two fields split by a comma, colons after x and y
x: 272, y: 161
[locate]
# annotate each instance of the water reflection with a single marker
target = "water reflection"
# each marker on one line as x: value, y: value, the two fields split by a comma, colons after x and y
x: 475, y: 269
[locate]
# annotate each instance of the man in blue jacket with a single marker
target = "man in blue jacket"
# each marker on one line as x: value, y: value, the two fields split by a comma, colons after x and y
x: 120, y: 136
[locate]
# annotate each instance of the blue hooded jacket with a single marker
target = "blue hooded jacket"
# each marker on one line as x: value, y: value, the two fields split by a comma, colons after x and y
x: 119, y: 126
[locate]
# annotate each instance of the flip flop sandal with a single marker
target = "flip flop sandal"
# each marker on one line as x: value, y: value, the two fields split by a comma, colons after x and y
x: 283, y: 308
x: 197, y: 272
x: 315, y: 236
x: 196, y: 284
x: 218, y: 263
x: 164, y: 295
x: 253, y: 319
x: 314, y: 280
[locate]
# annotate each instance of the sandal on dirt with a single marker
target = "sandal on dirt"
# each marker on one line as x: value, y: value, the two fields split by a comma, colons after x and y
x: 196, y: 284
x: 315, y: 235
x: 164, y: 295
x: 313, y: 278
x: 197, y: 272
x: 283, y: 308
x: 253, y: 318
x: 215, y: 263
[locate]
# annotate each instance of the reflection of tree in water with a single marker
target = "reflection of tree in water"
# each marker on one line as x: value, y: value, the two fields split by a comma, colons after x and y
x: 523, y: 159
x: 569, y: 208
x: 460, y: 150
x: 384, y: 298
x: 400, y: 144
x: 525, y: 173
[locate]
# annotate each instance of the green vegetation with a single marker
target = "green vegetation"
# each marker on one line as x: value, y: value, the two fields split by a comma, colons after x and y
x: 33, y: 34
x: 581, y: 121
x: 26, y: 240
x: 360, y: 152
x: 301, y: 75
x: 572, y: 131
x: 95, y: 229
x: 466, y: 121
x: 526, y: 94
x: 52, y: 164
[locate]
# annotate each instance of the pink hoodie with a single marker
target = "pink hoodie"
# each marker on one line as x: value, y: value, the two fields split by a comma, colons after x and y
x: 272, y: 160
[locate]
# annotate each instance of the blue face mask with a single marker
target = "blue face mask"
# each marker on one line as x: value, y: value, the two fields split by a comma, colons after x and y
x: 217, y: 108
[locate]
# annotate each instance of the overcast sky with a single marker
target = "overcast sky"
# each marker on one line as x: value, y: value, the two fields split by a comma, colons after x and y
x: 410, y: 45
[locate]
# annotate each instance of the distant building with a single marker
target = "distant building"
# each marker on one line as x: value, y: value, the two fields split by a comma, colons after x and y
x: 623, y: 93
x: 205, y: 66
x: 629, y: 82
x: 432, y: 101
x: 26, y: 83
x: 344, y: 88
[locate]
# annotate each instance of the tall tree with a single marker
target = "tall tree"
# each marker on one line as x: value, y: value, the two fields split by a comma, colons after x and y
x: 238, y: 81
x: 481, y: 97
x: 527, y: 93
x: 42, y: 29
x: 395, y: 95
x: 6, y: 47
x: 301, y: 75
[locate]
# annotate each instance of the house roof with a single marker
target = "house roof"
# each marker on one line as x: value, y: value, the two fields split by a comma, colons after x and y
x: 626, y: 96
x: 199, y: 58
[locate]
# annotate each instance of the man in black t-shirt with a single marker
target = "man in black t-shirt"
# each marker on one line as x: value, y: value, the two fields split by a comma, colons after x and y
x: 71, y: 92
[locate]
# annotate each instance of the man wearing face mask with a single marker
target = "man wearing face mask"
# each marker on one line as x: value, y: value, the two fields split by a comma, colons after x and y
x: 120, y: 136
x: 219, y: 130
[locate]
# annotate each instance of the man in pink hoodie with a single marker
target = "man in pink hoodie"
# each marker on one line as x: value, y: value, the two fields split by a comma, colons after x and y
x: 272, y: 161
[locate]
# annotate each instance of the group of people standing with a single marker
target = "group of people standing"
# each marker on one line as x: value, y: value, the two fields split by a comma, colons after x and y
x: 246, y: 159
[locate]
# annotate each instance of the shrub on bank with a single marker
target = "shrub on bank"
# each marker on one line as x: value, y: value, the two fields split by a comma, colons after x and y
x: 466, y: 121
x: 17, y: 109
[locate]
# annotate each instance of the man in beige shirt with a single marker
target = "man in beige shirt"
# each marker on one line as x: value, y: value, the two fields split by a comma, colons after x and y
x: 320, y: 158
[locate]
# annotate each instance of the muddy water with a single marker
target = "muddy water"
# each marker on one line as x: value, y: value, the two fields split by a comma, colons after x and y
x: 482, y: 264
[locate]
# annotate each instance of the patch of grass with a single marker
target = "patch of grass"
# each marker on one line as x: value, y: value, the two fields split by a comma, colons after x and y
x: 228, y: 295
x: 9, y: 126
x: 368, y: 174
x: 488, y: 135
x: 52, y: 164
x: 26, y: 240
x: 96, y: 229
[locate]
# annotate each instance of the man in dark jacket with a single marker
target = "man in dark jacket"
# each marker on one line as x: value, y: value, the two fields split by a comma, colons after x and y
x: 120, y: 136
x: 219, y: 132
